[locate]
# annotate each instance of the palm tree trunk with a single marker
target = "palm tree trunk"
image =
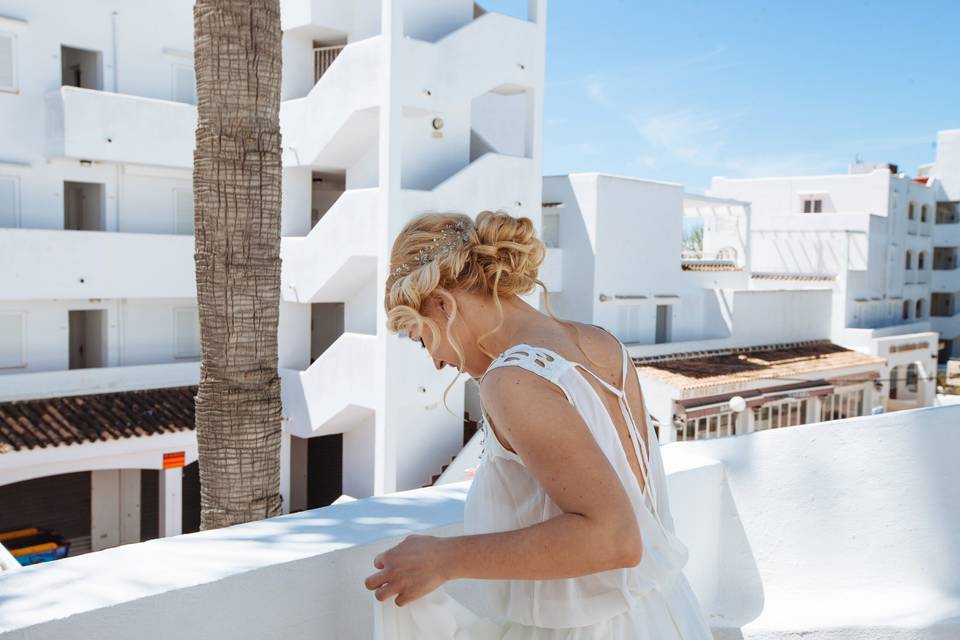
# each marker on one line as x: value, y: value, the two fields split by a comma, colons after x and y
x: 236, y: 186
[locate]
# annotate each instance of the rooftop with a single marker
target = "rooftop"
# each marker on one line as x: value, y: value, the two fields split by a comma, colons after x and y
x: 723, y: 366
x: 50, y: 422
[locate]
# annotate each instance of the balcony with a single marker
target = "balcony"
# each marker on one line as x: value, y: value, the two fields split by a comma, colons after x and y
x: 40, y: 264
x: 947, y: 326
x: 945, y: 280
x: 783, y: 532
x: 74, y: 382
x: 113, y: 127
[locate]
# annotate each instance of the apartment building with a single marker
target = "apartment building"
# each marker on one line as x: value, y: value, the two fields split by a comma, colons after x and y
x: 943, y: 176
x: 673, y: 274
x: 99, y: 334
x: 867, y: 237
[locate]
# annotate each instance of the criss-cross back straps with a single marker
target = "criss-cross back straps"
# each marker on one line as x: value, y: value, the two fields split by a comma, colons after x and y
x: 639, y: 447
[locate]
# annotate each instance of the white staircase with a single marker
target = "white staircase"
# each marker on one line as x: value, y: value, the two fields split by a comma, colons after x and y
x: 335, y: 392
x: 338, y: 255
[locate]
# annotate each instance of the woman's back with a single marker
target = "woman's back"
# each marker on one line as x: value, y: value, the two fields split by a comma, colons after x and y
x: 646, y: 601
x: 609, y: 378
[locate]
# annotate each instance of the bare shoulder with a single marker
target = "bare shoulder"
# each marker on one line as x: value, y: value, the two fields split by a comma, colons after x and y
x: 504, y: 385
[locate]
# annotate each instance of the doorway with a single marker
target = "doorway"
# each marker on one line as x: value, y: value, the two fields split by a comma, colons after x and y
x: 83, y: 206
x: 80, y: 68
x: 88, y: 338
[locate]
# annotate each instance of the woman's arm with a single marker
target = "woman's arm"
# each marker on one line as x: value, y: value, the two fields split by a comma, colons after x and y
x: 596, y: 531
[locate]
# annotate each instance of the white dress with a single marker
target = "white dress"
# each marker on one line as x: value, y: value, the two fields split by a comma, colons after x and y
x: 652, y: 601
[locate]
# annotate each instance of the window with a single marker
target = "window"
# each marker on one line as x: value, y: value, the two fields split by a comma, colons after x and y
x: 628, y: 318
x: 913, y: 375
x: 906, y: 310
x: 919, y: 314
x: 908, y: 261
x: 921, y: 259
x: 923, y: 213
x: 812, y: 205
x: 551, y: 230
x: 8, y: 62
x: 663, y: 323
x: 12, y: 334
x: 9, y: 202
x: 186, y: 332
x: 910, y: 209
x: 184, y: 84
x: 183, y: 212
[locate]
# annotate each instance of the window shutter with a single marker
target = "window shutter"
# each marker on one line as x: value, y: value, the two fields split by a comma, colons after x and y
x: 9, y: 202
x: 183, y: 211
x: 7, y: 75
x: 187, y: 333
x: 184, y: 84
x: 11, y: 340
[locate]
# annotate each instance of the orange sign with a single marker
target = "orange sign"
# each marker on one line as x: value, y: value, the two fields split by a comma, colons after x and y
x: 173, y: 460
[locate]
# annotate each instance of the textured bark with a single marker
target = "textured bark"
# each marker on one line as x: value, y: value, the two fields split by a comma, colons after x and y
x: 236, y: 186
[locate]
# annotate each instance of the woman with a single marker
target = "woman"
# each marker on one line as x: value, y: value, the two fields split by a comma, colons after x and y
x: 567, y: 526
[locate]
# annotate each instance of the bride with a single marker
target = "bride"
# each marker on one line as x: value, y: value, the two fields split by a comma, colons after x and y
x: 567, y: 526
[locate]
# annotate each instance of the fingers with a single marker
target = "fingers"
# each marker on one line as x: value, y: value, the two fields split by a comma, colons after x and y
x: 377, y: 579
x: 386, y: 591
x: 378, y: 561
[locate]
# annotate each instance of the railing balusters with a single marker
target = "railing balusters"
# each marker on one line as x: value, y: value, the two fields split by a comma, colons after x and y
x: 323, y: 57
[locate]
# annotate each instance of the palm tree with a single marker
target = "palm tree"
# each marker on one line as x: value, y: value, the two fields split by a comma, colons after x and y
x: 236, y: 186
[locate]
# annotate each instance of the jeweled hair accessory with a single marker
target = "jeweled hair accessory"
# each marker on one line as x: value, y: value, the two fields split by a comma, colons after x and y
x: 450, y: 237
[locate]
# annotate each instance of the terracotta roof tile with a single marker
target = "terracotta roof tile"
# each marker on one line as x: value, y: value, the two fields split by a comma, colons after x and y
x: 707, y: 266
x: 35, y: 424
x: 824, y: 277
x: 710, y: 369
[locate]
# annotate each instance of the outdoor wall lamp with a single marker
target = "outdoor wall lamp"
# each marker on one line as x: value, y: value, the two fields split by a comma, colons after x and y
x: 437, y: 123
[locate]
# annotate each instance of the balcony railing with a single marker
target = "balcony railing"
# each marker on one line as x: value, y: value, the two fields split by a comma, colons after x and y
x: 323, y: 57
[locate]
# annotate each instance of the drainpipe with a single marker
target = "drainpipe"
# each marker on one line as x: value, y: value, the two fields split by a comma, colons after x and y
x: 113, y: 21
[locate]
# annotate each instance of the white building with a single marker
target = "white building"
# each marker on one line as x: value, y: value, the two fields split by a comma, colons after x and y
x: 389, y: 109
x: 708, y: 321
x: 98, y: 294
x: 866, y: 238
x: 943, y: 176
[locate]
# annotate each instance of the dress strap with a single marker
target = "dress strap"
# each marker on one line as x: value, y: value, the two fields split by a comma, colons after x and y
x: 545, y: 363
x: 639, y: 447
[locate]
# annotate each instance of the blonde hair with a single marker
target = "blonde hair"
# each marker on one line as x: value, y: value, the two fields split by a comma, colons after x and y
x: 498, y: 254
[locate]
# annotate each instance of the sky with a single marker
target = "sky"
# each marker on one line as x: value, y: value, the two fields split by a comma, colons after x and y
x: 682, y: 91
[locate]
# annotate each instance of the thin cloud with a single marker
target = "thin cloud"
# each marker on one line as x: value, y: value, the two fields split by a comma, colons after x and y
x: 688, y: 134
x: 596, y: 89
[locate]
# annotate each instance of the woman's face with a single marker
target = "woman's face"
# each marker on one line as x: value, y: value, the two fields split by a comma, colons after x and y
x: 439, y: 348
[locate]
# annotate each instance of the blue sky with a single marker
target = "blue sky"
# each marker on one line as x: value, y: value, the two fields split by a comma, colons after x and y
x: 682, y: 91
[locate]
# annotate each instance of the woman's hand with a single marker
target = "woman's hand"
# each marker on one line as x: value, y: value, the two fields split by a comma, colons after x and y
x: 410, y: 570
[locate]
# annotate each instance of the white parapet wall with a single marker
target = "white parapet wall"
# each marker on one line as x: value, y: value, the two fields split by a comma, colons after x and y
x: 844, y: 529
